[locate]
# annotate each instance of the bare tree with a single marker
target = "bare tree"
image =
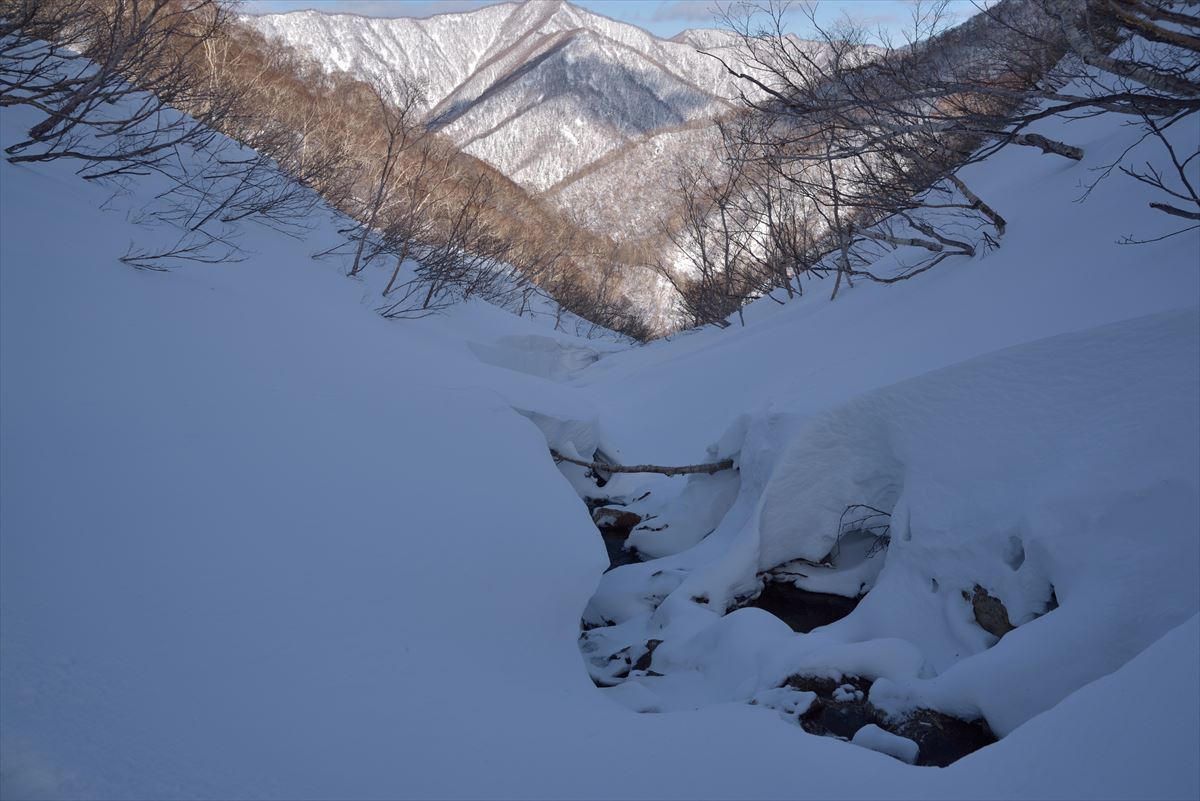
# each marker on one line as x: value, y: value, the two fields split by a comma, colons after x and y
x: 851, y: 148
x: 110, y: 78
x: 856, y: 133
x: 412, y: 222
x: 236, y: 129
x: 1144, y: 60
x: 138, y: 87
x: 397, y: 127
x: 711, y: 241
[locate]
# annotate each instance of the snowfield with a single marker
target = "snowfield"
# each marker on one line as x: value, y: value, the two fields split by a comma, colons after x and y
x: 258, y: 542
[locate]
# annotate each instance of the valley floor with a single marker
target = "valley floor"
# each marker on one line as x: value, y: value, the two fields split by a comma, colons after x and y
x: 258, y: 542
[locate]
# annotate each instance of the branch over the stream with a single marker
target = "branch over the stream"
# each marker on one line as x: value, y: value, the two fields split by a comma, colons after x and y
x: 710, y: 468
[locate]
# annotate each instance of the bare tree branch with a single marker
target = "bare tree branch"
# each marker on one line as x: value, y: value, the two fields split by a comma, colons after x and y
x: 710, y: 468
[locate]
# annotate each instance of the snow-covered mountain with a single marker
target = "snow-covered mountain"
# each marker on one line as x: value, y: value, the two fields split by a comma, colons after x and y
x: 566, y: 102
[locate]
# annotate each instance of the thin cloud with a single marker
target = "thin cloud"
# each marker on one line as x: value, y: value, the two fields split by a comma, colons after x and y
x: 684, y: 11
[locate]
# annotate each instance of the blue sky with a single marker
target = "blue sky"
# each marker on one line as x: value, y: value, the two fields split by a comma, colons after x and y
x: 662, y: 17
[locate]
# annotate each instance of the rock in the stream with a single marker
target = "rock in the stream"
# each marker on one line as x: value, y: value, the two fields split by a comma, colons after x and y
x: 841, y: 710
x: 990, y: 612
x: 643, y: 662
x: 608, y: 517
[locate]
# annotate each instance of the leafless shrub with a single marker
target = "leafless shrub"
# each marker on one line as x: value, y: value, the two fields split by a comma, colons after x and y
x: 109, y: 78
x: 1136, y: 58
x: 134, y: 88
x: 194, y: 246
x: 859, y: 518
x: 851, y: 149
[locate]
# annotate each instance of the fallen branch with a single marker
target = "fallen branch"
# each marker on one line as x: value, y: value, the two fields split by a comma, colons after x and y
x: 1049, y: 146
x: 710, y: 468
x: 976, y: 203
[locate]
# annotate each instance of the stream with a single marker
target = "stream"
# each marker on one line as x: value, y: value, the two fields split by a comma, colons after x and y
x: 822, y: 706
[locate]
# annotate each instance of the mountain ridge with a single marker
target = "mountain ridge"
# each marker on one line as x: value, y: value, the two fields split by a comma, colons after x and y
x: 550, y: 94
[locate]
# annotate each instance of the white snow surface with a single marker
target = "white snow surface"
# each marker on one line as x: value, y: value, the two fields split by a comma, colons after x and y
x: 257, y: 542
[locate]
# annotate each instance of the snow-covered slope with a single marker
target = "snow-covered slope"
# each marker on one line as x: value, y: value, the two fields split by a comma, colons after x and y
x: 257, y: 542
x: 438, y: 52
x: 460, y: 55
x: 541, y: 90
x: 629, y: 190
x: 573, y: 98
x: 1029, y: 419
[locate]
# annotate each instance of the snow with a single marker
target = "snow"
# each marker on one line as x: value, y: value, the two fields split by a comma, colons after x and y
x: 787, y: 701
x: 257, y: 542
x: 877, y: 739
x: 847, y: 692
x: 536, y: 354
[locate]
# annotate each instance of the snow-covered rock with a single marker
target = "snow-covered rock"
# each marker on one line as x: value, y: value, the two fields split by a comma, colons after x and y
x: 876, y: 739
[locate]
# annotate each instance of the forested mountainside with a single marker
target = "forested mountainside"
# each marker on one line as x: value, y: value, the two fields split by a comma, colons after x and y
x: 539, y: 89
x: 570, y: 104
x: 700, y: 169
x: 739, y: 163
x: 411, y: 192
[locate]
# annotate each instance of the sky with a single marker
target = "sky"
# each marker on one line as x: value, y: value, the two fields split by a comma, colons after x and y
x: 662, y: 17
